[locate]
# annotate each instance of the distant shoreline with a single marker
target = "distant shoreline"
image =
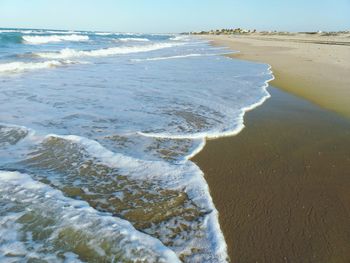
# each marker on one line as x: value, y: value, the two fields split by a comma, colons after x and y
x: 240, y: 31
x: 307, y: 65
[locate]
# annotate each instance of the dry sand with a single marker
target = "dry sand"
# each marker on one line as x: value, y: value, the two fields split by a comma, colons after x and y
x: 281, y: 186
x: 314, y: 67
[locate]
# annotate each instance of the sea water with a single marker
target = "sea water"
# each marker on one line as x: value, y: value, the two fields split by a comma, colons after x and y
x: 96, y: 134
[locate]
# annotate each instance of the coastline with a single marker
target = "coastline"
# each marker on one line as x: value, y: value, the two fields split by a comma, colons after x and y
x: 280, y: 185
x: 302, y: 65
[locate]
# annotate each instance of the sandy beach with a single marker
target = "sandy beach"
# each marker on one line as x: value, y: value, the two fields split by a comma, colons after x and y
x: 281, y: 185
x: 312, y: 66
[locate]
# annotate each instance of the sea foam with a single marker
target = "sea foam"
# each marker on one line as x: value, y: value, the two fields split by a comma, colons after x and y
x: 171, y: 57
x: 133, y: 129
x: 27, y: 207
x: 135, y: 39
x: 71, y: 53
x: 15, y: 67
x: 54, y: 38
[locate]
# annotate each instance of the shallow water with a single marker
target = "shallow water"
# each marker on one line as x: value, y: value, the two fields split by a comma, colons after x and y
x: 106, y: 122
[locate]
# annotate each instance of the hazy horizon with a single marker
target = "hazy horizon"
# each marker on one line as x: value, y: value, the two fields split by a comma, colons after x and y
x: 158, y: 16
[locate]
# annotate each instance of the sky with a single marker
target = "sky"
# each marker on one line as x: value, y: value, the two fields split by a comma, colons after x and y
x: 171, y: 16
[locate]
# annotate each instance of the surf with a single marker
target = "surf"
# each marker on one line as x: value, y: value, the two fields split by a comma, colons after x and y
x: 119, y: 132
x: 36, y: 40
x: 72, y: 53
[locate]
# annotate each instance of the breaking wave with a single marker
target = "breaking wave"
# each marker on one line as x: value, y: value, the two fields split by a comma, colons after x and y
x: 15, y: 67
x: 129, y: 39
x: 71, y: 53
x: 29, y: 208
x: 171, y: 57
x: 53, y: 38
x: 100, y: 154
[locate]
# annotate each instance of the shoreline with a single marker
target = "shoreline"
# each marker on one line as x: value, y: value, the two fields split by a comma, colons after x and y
x: 280, y: 186
x: 254, y: 238
x: 315, y: 71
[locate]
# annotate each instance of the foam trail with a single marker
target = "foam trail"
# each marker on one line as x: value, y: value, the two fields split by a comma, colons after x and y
x: 134, y: 128
x: 180, y: 38
x: 171, y: 57
x: 130, y: 39
x: 8, y: 31
x: 103, y: 33
x: 59, y: 32
x: 186, y: 176
x: 39, y: 202
x: 70, y: 53
x: 15, y: 67
x: 54, y: 38
x: 224, y: 133
x: 37, y: 31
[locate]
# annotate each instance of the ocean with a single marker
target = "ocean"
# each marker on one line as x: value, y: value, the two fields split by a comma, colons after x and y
x: 97, y: 131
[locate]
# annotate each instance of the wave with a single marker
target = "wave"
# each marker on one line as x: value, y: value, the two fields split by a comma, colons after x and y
x: 54, y: 38
x: 28, y: 205
x: 127, y: 39
x: 131, y: 148
x: 180, y: 38
x: 103, y: 33
x: 10, y: 39
x: 59, y: 32
x: 9, y: 31
x: 185, y: 193
x: 231, y: 131
x: 185, y: 177
x: 179, y: 187
x: 170, y: 57
x: 37, y: 31
x: 71, y: 53
x: 14, y: 67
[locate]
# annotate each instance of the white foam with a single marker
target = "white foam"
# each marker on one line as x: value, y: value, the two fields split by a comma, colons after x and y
x: 15, y: 67
x: 103, y: 33
x: 194, y: 99
x: 70, y: 32
x: 29, y: 31
x: 54, y: 38
x: 229, y: 131
x: 180, y: 38
x: 8, y: 31
x: 70, y: 53
x: 170, y: 57
x: 18, y: 189
x: 39, y: 31
x: 133, y: 39
x: 177, y: 177
x: 196, y: 150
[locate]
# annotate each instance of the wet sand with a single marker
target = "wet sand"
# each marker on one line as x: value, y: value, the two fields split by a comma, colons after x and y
x: 281, y: 186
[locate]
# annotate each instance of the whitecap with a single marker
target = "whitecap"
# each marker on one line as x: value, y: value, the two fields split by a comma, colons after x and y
x: 103, y: 33
x: 54, y: 38
x: 15, y: 67
x: 130, y: 39
x: 70, y: 53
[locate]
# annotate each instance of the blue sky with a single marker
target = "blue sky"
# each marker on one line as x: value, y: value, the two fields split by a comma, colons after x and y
x: 176, y: 15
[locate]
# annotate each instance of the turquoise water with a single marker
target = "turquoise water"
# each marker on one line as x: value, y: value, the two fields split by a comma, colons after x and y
x: 96, y: 134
